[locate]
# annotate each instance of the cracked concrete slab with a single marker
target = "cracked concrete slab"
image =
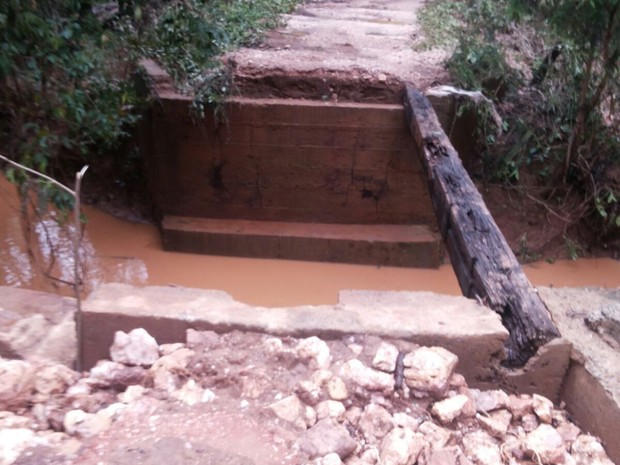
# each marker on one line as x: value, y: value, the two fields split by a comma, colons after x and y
x: 471, y: 331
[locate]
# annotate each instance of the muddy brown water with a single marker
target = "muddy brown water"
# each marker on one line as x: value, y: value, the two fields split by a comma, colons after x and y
x: 117, y: 250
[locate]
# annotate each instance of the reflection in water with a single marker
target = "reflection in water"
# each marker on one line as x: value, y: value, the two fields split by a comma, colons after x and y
x: 15, y: 262
x: 42, y: 258
x: 118, y: 251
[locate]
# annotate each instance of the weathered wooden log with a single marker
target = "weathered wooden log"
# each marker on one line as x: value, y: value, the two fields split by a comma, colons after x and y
x: 485, y: 266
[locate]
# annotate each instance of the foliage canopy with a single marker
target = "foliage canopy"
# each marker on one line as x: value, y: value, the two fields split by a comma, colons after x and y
x: 553, y: 69
x: 67, y: 71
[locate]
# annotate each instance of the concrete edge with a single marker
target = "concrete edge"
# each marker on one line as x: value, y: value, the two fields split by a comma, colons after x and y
x: 473, y: 333
x: 592, y: 407
x: 543, y: 374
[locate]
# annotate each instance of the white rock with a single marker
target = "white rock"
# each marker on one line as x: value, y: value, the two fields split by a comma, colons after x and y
x: 78, y: 422
x: 337, y: 388
x: 62, y: 443
x: 545, y: 445
x: 379, y: 399
x: 131, y: 394
x: 470, y: 408
x: 406, y: 421
x: 457, y: 381
x: 587, y: 450
x: 316, y: 350
x: 482, y: 448
x: 190, y: 393
x: 452, y: 455
x: 136, y: 348
x: 353, y: 415
x: 113, y: 410
x: 310, y: 416
x: 167, y: 349
x: 568, y: 431
x: 177, y: 360
x: 17, y: 381
x: 487, y: 401
x: 385, y: 358
x: 529, y: 422
x: 115, y: 375
x: 370, y: 456
x: 543, y: 408
x: 514, y: 447
x: 401, y: 446
x: 11, y: 420
x: 72, y: 419
x: 520, y: 405
x: 329, y: 459
x: 569, y: 460
x: 357, y: 373
x: 105, y: 371
x: 449, y: 409
x: 330, y: 409
x: 166, y: 370
x: 202, y: 339
x: 308, y: 391
x: 273, y: 345
x: 207, y: 396
x: 321, y: 377
x: 327, y: 437
x: 82, y: 388
x: 436, y: 435
x: 496, y: 423
x: 54, y: 379
x: 428, y: 369
x: 357, y: 349
x: 375, y: 422
x: 69, y: 447
x: 14, y: 441
x: 290, y: 409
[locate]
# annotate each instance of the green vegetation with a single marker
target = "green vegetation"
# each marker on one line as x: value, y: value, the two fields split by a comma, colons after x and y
x: 552, y: 68
x: 67, y: 74
x: 525, y: 253
x: 441, y: 20
x: 187, y: 36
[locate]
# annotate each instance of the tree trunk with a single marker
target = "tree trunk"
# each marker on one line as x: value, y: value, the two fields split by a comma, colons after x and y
x: 485, y: 266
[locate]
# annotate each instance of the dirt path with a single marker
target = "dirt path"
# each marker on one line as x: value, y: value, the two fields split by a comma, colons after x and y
x: 354, y: 50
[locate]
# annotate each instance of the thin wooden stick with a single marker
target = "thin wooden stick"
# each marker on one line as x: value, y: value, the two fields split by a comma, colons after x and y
x: 77, y: 242
x: 41, y: 175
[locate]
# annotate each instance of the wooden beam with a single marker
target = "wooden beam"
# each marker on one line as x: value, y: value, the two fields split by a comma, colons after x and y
x: 485, y: 266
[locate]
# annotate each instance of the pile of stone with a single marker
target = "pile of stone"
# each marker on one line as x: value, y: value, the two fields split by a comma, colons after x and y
x: 387, y: 403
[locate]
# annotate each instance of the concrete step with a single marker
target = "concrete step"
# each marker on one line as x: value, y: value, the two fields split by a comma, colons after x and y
x: 408, y: 245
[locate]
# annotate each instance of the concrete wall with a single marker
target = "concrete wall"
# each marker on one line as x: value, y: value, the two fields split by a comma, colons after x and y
x: 593, y: 408
x: 474, y: 333
x: 286, y: 160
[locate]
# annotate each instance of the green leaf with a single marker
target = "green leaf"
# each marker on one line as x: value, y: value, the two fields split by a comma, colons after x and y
x: 611, y: 198
x: 67, y: 33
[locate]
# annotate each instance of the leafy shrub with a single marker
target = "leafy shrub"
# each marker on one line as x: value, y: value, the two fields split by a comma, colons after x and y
x: 553, y: 69
x: 480, y: 65
x: 64, y: 87
x: 67, y: 93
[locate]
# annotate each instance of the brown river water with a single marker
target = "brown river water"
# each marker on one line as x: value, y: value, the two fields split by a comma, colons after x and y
x: 119, y: 251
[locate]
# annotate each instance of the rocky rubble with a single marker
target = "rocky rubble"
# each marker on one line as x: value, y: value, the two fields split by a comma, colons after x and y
x: 357, y: 401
